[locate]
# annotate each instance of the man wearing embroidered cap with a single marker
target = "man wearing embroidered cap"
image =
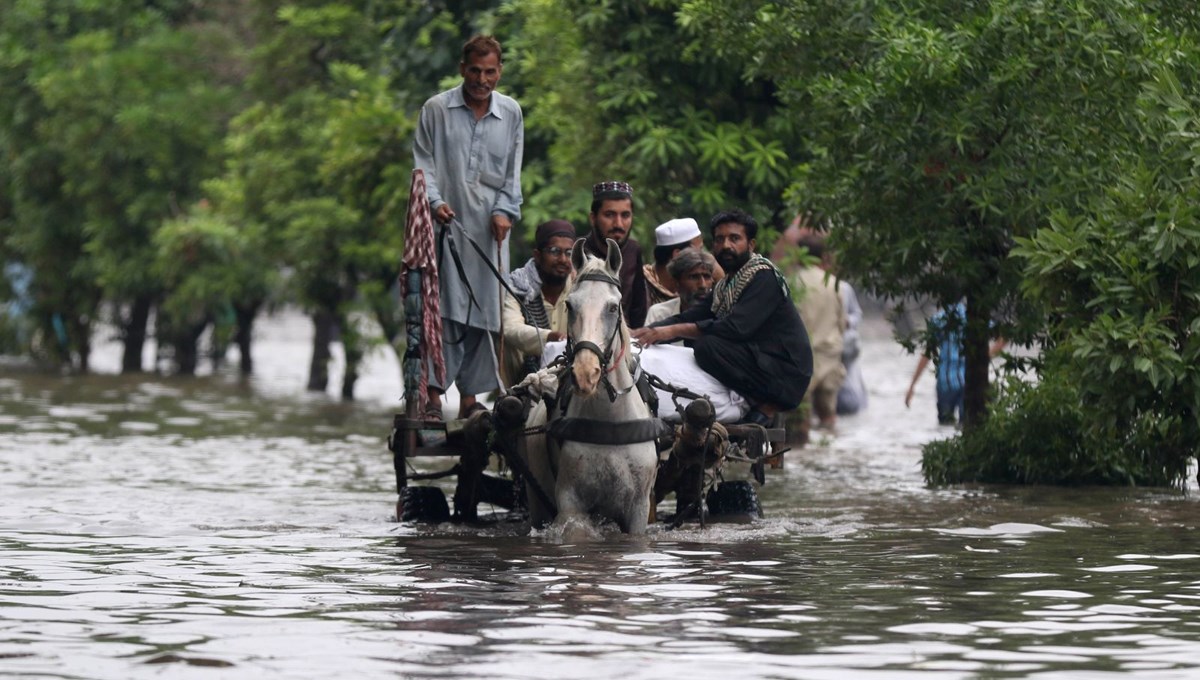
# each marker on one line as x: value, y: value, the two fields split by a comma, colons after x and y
x: 542, y: 286
x: 469, y: 142
x: 611, y: 217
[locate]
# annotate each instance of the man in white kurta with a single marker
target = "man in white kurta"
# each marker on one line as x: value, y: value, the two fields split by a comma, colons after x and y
x: 469, y: 143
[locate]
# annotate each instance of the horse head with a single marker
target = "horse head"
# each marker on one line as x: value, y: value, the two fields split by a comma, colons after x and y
x: 597, y: 338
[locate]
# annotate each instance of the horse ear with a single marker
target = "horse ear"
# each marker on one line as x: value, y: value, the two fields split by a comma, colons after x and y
x: 614, y: 257
x: 577, y: 254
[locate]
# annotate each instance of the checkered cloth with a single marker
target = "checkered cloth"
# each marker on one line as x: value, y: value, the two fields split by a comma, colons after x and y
x: 419, y: 254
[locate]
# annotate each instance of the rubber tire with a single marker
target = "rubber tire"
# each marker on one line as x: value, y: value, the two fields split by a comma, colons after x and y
x: 424, y: 504
x: 736, y: 497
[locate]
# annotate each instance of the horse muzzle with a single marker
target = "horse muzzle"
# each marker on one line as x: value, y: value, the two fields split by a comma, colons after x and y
x: 587, y: 371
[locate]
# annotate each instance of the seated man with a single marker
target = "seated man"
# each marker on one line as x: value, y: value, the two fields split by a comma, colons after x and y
x: 540, y: 316
x: 749, y: 335
x: 669, y: 239
x: 692, y: 271
x: 611, y: 217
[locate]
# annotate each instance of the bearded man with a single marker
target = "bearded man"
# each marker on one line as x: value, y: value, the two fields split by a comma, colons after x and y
x: 611, y: 217
x: 748, y: 335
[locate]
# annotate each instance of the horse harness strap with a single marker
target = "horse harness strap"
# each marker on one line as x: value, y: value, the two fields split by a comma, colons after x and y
x: 591, y: 431
x: 444, y: 242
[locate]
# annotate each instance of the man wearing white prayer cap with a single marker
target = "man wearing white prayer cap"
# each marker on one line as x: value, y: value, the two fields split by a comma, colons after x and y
x: 669, y: 238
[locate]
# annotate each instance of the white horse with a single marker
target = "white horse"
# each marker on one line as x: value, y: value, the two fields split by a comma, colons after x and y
x: 598, y: 458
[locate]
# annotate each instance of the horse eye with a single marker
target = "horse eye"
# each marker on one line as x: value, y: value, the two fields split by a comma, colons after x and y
x: 612, y: 308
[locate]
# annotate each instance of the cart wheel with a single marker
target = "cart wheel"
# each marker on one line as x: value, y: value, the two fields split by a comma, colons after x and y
x: 734, y: 498
x: 423, y: 504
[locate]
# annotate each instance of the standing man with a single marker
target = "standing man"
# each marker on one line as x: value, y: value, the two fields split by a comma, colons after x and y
x: 749, y: 336
x: 542, y: 286
x: 612, y: 217
x: 469, y: 143
x: 824, y: 314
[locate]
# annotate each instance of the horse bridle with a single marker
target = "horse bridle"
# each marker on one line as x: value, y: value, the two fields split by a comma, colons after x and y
x: 606, y: 353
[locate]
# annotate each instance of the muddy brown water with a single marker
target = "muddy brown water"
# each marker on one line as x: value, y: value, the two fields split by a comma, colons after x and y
x: 158, y: 527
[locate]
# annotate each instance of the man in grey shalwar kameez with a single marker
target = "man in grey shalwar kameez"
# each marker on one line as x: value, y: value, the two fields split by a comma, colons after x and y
x: 469, y: 143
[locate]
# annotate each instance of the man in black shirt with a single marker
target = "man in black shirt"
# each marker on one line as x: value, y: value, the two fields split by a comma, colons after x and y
x: 749, y: 335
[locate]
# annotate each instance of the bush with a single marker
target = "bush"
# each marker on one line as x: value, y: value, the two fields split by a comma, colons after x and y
x: 1037, y: 433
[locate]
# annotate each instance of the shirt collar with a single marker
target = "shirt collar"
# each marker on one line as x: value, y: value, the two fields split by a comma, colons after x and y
x: 457, y: 100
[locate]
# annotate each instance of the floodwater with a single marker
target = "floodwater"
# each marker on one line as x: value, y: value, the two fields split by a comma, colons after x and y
x: 202, y: 528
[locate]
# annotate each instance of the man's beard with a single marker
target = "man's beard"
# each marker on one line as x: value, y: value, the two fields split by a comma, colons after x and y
x: 550, y: 278
x: 619, y: 239
x: 687, y: 299
x: 731, y: 261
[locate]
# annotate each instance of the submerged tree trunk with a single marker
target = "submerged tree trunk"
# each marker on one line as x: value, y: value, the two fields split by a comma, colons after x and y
x: 977, y: 364
x: 318, y: 371
x: 352, y: 347
x: 134, y: 335
x: 245, y: 315
x: 186, y: 345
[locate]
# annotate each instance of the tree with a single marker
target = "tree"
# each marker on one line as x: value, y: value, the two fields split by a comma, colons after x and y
x: 1121, y: 280
x: 939, y: 131
x: 320, y: 167
x: 115, y: 107
x: 212, y: 271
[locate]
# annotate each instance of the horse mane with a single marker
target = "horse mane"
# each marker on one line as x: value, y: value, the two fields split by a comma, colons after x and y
x: 593, y: 264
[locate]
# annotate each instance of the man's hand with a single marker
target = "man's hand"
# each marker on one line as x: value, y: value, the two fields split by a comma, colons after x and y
x: 443, y: 213
x: 676, y: 331
x: 501, y: 225
x: 651, y: 336
x: 555, y: 336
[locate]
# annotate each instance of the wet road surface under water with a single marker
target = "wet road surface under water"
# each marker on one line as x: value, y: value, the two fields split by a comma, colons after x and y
x: 161, y: 527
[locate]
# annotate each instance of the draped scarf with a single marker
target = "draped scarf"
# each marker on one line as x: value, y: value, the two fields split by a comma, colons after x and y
x: 527, y: 283
x: 727, y: 291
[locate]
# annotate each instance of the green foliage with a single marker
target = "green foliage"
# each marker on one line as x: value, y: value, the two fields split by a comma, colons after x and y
x: 135, y: 126
x: 1040, y: 433
x: 937, y: 131
x: 208, y: 265
x: 1121, y: 279
x: 109, y: 114
x: 321, y: 165
x: 626, y: 90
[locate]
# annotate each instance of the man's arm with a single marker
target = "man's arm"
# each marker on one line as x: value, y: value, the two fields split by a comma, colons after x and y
x: 652, y: 335
x: 507, y: 208
x: 924, y: 362
x: 680, y: 326
x: 423, y: 159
